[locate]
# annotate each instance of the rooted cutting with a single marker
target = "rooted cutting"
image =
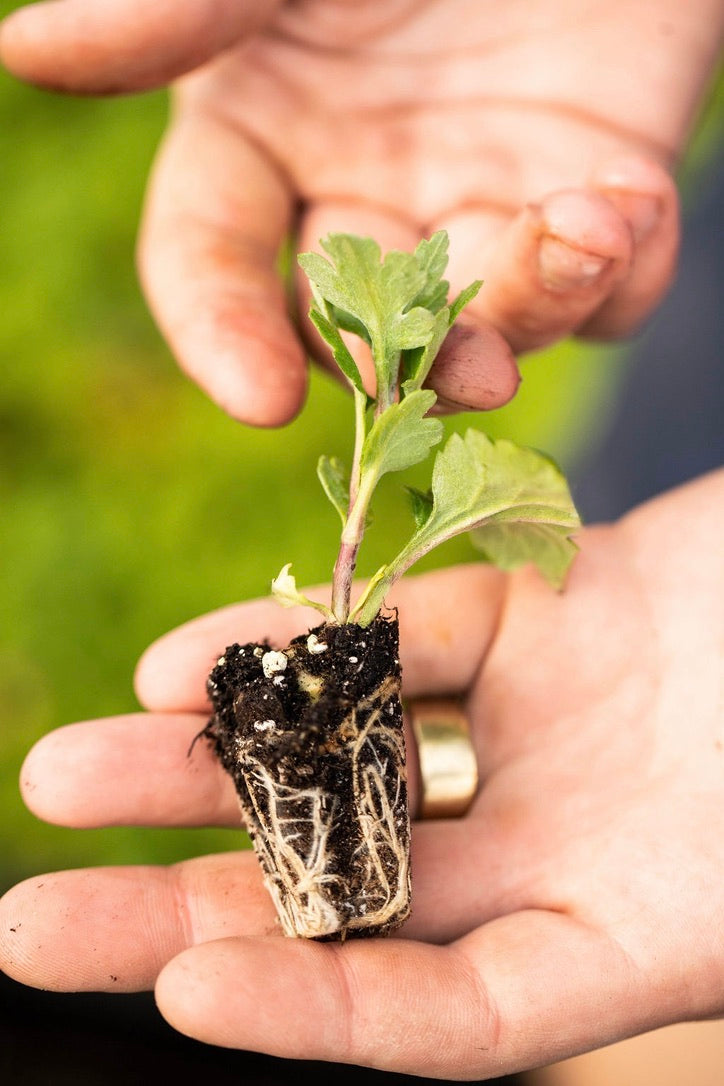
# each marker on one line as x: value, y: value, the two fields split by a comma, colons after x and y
x: 312, y: 733
x: 312, y: 737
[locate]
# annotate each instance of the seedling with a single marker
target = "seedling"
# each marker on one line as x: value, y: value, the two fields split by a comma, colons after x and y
x: 312, y: 734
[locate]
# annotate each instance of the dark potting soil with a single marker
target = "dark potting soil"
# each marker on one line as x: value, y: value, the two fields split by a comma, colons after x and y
x: 312, y: 737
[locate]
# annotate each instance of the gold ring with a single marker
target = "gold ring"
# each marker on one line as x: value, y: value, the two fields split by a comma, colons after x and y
x: 448, y: 767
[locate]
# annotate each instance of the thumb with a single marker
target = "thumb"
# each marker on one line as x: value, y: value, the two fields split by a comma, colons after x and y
x: 85, y: 47
x: 521, y: 992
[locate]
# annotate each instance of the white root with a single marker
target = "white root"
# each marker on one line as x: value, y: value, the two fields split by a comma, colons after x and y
x: 298, y: 875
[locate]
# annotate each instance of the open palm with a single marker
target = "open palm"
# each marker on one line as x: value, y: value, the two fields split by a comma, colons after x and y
x: 538, y: 133
x: 578, y: 902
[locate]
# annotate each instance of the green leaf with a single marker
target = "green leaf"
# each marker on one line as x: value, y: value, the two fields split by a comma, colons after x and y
x: 392, y: 304
x: 508, y: 547
x: 358, y: 262
x: 401, y: 279
x: 477, y: 482
x: 462, y: 300
x: 348, y: 323
x: 335, y: 483
x: 417, y: 364
x: 379, y: 299
x: 400, y: 437
x: 431, y: 257
x: 342, y: 356
x: 421, y: 504
x: 515, y: 499
x: 414, y: 328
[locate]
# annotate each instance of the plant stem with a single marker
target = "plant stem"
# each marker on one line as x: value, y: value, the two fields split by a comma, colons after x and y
x: 347, y: 557
x: 360, y: 411
x: 356, y: 517
x: 374, y: 595
x: 349, y: 545
x: 344, y: 569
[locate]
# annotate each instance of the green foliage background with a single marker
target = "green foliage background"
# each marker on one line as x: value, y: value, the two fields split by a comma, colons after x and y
x: 129, y: 502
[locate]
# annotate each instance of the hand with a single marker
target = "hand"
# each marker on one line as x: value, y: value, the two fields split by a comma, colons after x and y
x: 579, y: 902
x: 539, y: 135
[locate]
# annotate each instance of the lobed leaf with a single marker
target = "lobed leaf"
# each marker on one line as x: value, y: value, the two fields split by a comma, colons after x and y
x: 401, y: 436
x: 547, y: 546
x: 515, y: 499
x: 390, y: 303
x: 477, y: 481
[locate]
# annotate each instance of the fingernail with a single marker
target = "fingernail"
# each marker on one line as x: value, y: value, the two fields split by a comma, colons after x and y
x: 562, y: 267
x: 641, y: 211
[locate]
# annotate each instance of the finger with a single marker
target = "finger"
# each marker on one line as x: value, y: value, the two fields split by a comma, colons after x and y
x: 521, y: 992
x: 217, y: 213
x: 114, y: 928
x: 447, y: 621
x: 157, y: 781
x: 159, y: 776
x: 122, y: 45
x: 475, y: 369
x: 546, y: 272
x: 645, y: 194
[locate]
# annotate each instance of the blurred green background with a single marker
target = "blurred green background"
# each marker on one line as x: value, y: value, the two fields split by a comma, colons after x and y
x: 129, y: 502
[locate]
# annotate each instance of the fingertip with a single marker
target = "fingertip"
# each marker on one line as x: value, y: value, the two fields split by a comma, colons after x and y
x: 17, y: 40
x: 645, y: 195
x: 8, y: 37
x: 642, y: 190
x: 214, y: 993
x: 232, y: 338
x: 216, y: 214
x: 156, y: 675
x: 182, y: 997
x: 32, y: 914
x: 13, y: 939
x: 475, y: 369
x: 118, y: 46
x: 32, y: 774
x: 585, y: 224
x: 258, y: 384
x: 551, y: 267
x: 56, y: 776
x: 635, y: 173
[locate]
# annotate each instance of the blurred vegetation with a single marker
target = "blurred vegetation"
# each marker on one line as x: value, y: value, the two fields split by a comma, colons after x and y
x: 129, y: 502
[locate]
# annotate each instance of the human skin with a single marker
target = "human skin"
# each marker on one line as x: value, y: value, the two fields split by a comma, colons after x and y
x: 579, y: 902
x: 540, y: 133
